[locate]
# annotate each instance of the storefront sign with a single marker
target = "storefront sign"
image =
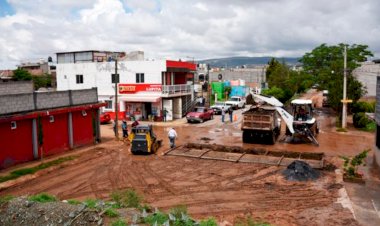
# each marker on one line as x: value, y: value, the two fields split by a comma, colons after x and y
x: 134, y: 88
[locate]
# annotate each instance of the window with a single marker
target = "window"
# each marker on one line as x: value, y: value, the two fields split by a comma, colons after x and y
x: 79, y: 79
x: 51, y: 118
x: 13, y: 125
x: 109, y: 104
x: 139, y: 77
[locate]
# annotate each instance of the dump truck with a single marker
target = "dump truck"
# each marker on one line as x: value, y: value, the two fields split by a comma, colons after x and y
x: 261, y: 124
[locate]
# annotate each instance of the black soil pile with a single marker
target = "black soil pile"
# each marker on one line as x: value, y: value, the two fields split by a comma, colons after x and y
x: 300, y: 171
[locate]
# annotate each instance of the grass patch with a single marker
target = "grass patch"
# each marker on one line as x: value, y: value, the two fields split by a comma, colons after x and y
x: 90, y: 203
x: 340, y: 129
x: 158, y: 218
x: 73, y: 202
x: 5, y: 199
x: 177, y: 211
x: 119, y: 222
x: 43, y: 197
x: 208, y: 222
x: 21, y: 172
x: 111, y: 212
x: 126, y: 198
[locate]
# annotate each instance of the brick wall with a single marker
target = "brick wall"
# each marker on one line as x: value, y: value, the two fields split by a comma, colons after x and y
x: 15, y: 87
x: 84, y: 96
x: 17, y: 103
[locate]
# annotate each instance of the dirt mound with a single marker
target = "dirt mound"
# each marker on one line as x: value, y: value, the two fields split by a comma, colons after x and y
x: 21, y: 211
x: 300, y: 171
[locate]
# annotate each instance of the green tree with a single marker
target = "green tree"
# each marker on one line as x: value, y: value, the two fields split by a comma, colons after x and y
x: 325, y: 64
x: 22, y: 74
x: 41, y: 81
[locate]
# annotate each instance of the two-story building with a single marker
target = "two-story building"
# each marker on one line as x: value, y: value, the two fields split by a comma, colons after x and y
x: 145, y: 87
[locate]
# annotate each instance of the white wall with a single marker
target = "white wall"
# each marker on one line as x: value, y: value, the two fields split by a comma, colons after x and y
x: 99, y: 74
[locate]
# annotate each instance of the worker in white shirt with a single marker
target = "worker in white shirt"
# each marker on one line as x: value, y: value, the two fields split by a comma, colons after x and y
x: 172, y: 134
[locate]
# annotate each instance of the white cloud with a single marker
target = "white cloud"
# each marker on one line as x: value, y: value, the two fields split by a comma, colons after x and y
x: 176, y: 29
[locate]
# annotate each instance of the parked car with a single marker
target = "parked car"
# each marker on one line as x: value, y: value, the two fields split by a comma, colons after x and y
x: 236, y: 102
x: 105, y: 117
x: 200, y: 114
x: 219, y: 106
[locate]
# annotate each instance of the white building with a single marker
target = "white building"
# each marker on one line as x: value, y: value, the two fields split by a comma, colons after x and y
x: 145, y: 88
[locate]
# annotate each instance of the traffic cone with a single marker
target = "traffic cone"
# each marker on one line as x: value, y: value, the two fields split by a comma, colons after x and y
x: 235, y: 118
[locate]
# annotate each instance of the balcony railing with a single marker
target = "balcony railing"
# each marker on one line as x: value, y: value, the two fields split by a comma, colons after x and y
x: 177, y: 89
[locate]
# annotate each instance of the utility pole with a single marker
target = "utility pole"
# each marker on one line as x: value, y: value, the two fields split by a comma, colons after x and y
x: 116, y: 81
x: 344, y: 110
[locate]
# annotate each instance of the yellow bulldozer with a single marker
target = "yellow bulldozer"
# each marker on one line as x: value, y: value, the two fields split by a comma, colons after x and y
x: 143, y: 140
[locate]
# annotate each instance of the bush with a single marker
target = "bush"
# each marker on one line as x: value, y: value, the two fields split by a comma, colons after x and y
x: 360, y: 120
x: 158, y: 218
x: 90, y: 203
x: 351, y: 164
x: 177, y: 211
x: 362, y: 106
x: 43, y: 197
x: 126, y: 198
x: 111, y: 212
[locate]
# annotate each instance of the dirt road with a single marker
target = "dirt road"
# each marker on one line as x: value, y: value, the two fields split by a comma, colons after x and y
x: 221, y: 189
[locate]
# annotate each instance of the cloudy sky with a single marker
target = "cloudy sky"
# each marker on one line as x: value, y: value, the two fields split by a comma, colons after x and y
x: 173, y: 29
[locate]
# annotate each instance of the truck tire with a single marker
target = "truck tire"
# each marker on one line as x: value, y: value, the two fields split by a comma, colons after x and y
x: 287, y: 132
x: 246, y: 136
x: 272, y: 138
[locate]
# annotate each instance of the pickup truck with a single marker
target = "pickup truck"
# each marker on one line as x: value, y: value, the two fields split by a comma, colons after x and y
x: 218, y: 107
x: 200, y: 114
x: 236, y: 102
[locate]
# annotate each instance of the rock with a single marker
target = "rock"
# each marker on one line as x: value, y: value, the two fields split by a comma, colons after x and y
x: 81, y: 208
x: 100, y: 222
x: 28, y: 203
x: 300, y: 171
x: 72, y: 214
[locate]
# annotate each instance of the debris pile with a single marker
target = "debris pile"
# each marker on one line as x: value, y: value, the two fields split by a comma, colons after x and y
x: 21, y: 211
x: 300, y: 171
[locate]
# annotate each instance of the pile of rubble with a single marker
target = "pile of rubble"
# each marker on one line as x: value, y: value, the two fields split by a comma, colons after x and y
x: 21, y: 211
x: 300, y: 171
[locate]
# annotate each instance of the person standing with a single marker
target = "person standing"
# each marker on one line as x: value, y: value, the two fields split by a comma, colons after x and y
x: 223, y: 114
x: 124, y: 128
x: 172, y: 134
x: 230, y: 112
x: 114, y: 127
x: 164, y: 113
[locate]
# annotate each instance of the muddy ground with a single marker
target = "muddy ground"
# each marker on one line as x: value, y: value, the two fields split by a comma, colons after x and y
x: 221, y: 189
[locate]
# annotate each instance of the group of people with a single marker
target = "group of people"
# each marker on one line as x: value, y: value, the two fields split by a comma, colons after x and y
x: 230, y: 111
x: 124, y: 127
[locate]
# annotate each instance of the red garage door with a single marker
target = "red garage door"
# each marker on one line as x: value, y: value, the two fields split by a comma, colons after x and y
x: 16, y: 143
x: 55, y: 133
x: 82, y: 128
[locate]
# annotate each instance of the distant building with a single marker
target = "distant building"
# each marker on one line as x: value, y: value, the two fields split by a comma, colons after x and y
x: 39, y: 68
x: 37, y: 124
x: 145, y: 88
x: 367, y: 74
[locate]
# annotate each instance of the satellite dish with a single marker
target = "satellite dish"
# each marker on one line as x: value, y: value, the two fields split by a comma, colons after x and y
x: 220, y: 76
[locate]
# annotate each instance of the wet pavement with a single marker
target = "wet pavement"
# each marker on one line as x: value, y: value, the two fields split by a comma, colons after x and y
x: 365, y: 198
